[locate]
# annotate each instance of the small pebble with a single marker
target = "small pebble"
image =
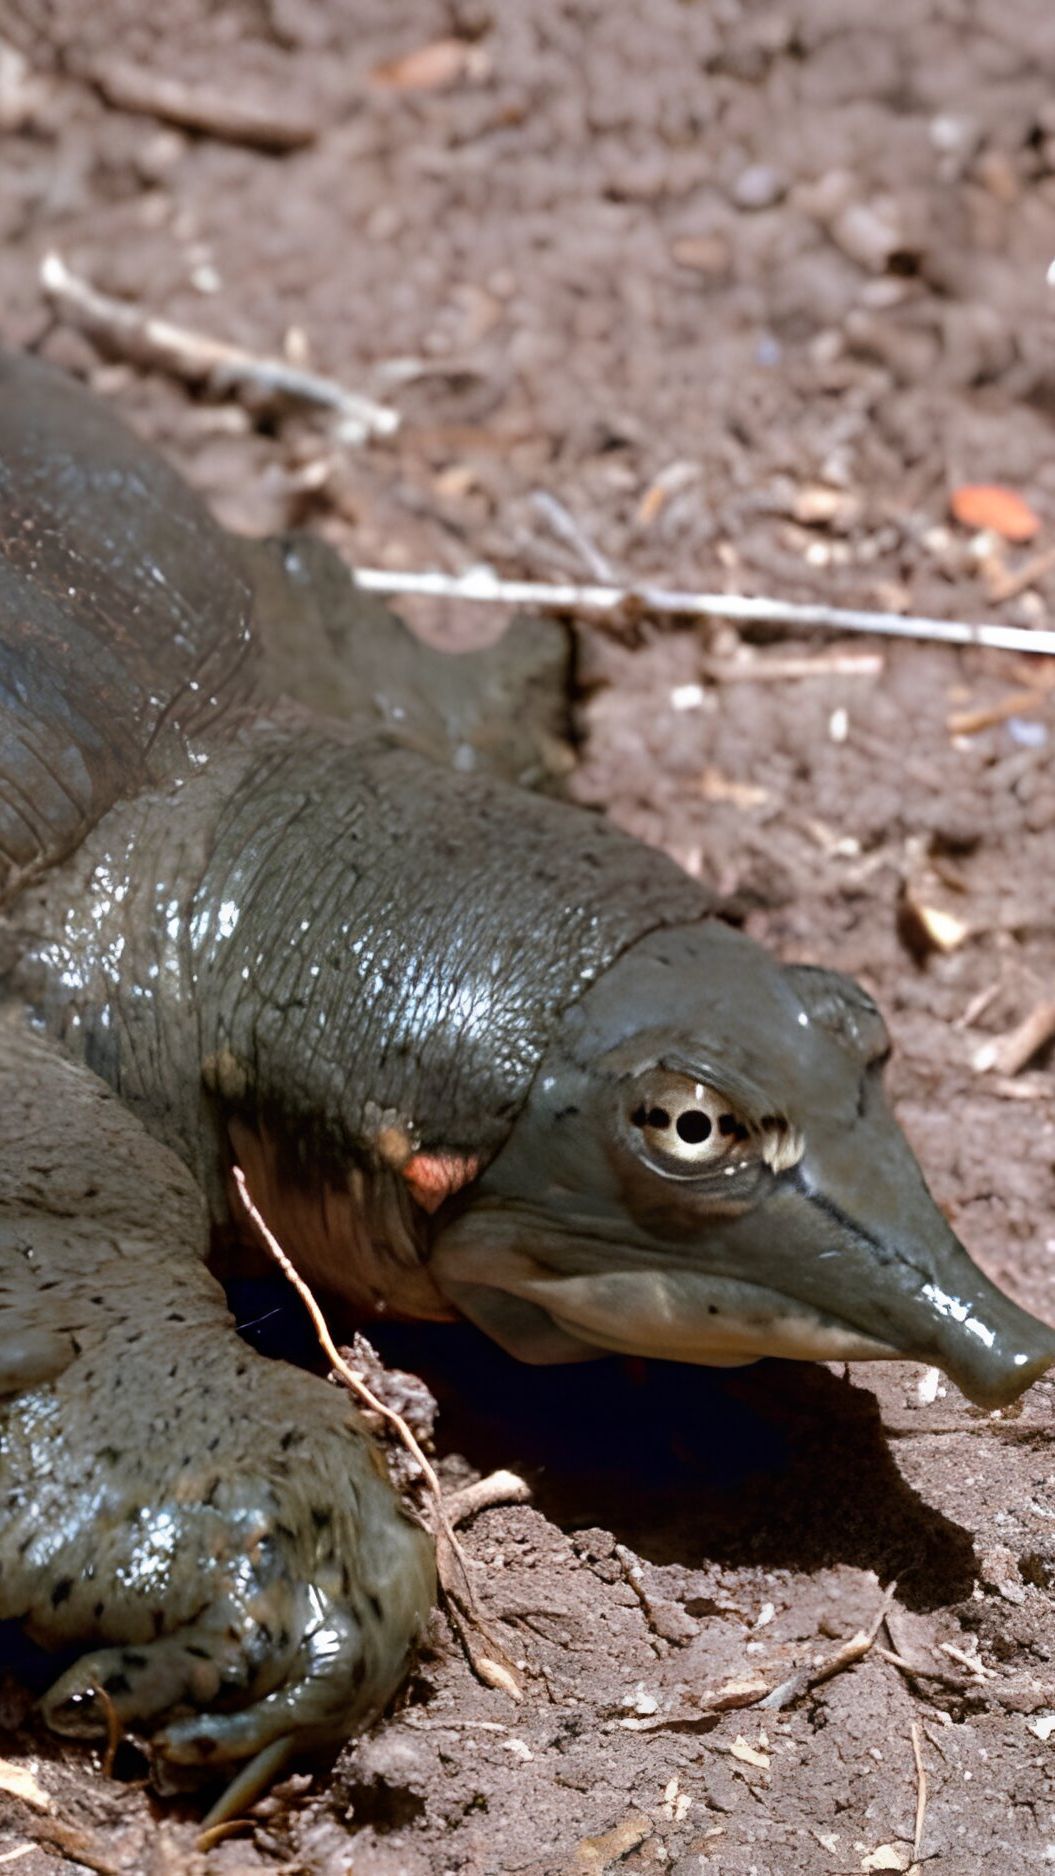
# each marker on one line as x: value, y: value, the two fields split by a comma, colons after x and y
x: 686, y: 697
x: 1027, y: 732
x: 759, y: 187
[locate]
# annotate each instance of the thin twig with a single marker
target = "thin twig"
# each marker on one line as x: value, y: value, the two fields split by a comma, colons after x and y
x: 568, y: 530
x: 481, y: 584
x: 1008, y: 584
x: 1010, y: 1053
x: 921, y: 1792
x: 916, y: 1671
x: 120, y: 328
x: 727, y: 1698
x: 804, y: 1679
x: 1017, y: 703
x: 499, y: 1488
x: 770, y: 670
x: 207, y: 109
x: 115, y: 1731
x: 975, y: 1667
x: 494, y: 1667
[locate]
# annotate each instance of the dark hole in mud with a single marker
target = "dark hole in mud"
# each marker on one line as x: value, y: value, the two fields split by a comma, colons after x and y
x: 383, y: 1806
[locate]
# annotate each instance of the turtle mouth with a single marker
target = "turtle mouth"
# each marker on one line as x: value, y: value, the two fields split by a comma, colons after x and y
x: 678, y: 1315
x: 726, y: 1325
x: 556, y: 1294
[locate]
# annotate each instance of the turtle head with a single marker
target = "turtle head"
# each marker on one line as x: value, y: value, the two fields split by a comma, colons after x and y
x: 706, y: 1169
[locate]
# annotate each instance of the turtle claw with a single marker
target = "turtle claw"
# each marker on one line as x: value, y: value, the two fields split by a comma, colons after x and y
x: 140, y: 1686
x: 248, y: 1784
x: 302, y: 1641
x: 274, y: 1590
x: 214, y: 1530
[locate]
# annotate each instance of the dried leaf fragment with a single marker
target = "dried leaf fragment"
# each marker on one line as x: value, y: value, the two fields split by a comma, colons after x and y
x: 432, y: 67
x: 703, y: 253
x: 19, y: 1782
x: 1010, y: 1053
x: 749, y: 1755
x: 594, y: 1855
x: 714, y: 786
x: 924, y: 928
x: 885, y: 1856
x: 991, y: 506
x: 820, y: 505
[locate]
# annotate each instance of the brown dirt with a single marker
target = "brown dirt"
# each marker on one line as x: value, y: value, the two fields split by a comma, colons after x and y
x: 680, y: 267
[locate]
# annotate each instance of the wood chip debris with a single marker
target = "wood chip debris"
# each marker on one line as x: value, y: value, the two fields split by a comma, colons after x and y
x: 124, y: 330
x: 72, y: 1843
x: 751, y: 1755
x: 1009, y: 1054
x: 924, y: 927
x: 821, y: 505
x: 918, y: 1671
x: 434, y: 67
x: 1016, y: 703
x: 886, y: 1856
x: 206, y: 109
x: 19, y: 1782
x: 595, y: 1855
x: 726, y: 1698
x: 671, y: 481
x: 714, y: 786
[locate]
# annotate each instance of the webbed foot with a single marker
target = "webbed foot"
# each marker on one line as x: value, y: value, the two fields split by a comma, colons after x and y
x: 215, y: 1528
x: 246, y: 1571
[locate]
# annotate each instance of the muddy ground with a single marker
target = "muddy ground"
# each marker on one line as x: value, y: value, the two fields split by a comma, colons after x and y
x: 747, y: 290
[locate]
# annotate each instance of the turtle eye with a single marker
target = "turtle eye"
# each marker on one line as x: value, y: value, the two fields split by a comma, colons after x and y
x: 685, y: 1126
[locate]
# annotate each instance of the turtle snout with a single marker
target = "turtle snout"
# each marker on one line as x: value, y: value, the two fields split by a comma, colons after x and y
x: 900, y: 1272
x: 991, y: 1348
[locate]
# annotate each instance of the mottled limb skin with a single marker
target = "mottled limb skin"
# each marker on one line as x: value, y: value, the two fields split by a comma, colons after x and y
x: 215, y: 1527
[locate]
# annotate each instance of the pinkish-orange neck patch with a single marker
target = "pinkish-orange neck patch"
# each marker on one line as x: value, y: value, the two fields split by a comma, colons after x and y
x: 434, y: 1177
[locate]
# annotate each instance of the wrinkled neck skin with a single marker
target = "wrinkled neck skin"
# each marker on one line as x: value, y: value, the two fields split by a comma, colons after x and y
x: 341, y: 961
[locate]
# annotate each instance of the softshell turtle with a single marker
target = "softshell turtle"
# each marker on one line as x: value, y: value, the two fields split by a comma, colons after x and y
x: 277, y: 882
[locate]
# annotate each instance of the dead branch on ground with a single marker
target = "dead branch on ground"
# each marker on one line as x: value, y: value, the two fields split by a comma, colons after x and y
x: 921, y: 1793
x: 499, y: 1488
x: 126, y: 331
x: 480, y: 584
x: 201, y: 108
x: 806, y: 1678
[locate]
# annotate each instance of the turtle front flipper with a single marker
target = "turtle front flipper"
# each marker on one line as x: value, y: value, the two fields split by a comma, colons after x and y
x: 504, y: 710
x: 215, y: 1529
